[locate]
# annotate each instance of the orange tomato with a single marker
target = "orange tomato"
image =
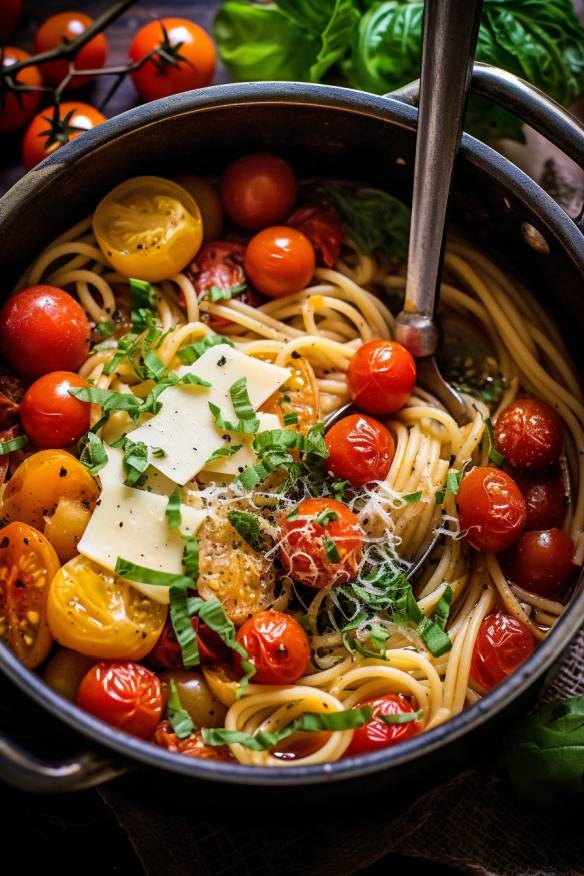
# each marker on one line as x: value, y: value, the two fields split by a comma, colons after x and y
x: 65, y: 27
x: 74, y: 118
x: 16, y: 110
x: 279, y: 261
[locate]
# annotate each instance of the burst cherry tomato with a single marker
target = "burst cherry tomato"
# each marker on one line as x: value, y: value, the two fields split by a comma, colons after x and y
x: 63, y: 28
x: 124, y: 694
x: 529, y: 434
x: 321, y: 543
x: 492, y: 509
x: 376, y: 734
x: 258, y: 190
x: 219, y: 265
x: 545, y: 499
x: 381, y: 377
x: 185, y: 60
x: 279, y: 261
x: 323, y: 228
x: 542, y: 561
x: 50, y: 415
x: 167, y: 653
x: 276, y: 646
x: 360, y: 449
x: 16, y: 110
x: 502, y: 644
x: 43, y: 329
x: 42, y: 137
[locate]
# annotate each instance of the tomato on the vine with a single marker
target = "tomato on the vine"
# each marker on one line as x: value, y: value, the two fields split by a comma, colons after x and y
x: 258, y: 190
x: 322, y: 226
x: 360, y: 448
x: 529, y: 434
x: 46, y: 133
x: 217, y: 269
x: 17, y: 109
x: 542, y: 561
x: 381, y: 376
x: 492, y: 509
x: 50, y: 415
x: 376, y: 734
x: 277, y: 647
x: 124, y: 694
x: 279, y: 261
x: 502, y: 644
x: 63, y: 27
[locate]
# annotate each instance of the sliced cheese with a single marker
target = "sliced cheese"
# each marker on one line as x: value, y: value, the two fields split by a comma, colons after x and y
x: 185, y: 429
x: 233, y: 465
x: 113, y: 473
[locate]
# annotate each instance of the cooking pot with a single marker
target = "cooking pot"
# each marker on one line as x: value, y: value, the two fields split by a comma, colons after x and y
x: 323, y: 131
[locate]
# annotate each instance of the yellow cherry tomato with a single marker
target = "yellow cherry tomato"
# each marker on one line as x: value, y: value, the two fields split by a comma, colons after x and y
x: 148, y: 227
x: 65, y: 671
x: 208, y: 202
x: 223, y: 682
x: 65, y: 527
x: 98, y: 614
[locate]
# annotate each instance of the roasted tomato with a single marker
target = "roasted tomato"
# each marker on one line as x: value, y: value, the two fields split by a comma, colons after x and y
x: 545, y: 499
x: 5, y: 459
x: 50, y: 415
x: 195, y: 696
x: 208, y: 202
x: 66, y: 525
x: 18, y: 108
x: 277, y: 647
x: 299, y: 395
x: 65, y: 671
x: 192, y: 746
x: 543, y: 561
x: 27, y: 565
x: 279, y: 261
x: 43, y: 329
x: 43, y: 136
x: 381, y: 376
x: 360, y: 449
x: 12, y: 390
x: 529, y: 434
x: 96, y: 613
x: 63, y: 28
x: 258, y: 190
x: 148, y: 227
x: 321, y: 543
x: 218, y: 269
x: 502, y: 644
x: 492, y: 509
x: 376, y: 734
x: 124, y: 694
x: 324, y: 229
x: 167, y: 653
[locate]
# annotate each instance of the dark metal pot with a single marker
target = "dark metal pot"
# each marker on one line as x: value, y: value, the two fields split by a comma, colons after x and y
x: 329, y: 131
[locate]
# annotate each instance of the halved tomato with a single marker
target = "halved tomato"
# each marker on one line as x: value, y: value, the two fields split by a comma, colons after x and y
x: 299, y: 396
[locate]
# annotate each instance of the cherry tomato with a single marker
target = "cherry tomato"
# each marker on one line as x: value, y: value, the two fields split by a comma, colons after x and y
x: 124, y: 694
x: 63, y: 28
x: 208, y: 201
x: 43, y: 136
x: 43, y: 329
x: 279, y: 261
x: 492, y: 509
x: 219, y: 265
x: 15, y: 111
x: 50, y: 415
x: 376, y: 734
x: 545, y: 499
x: 360, y: 449
x: 258, y: 190
x: 195, y: 696
x: 192, y: 746
x: 276, y: 645
x: 321, y: 552
x: 11, y: 12
x: 502, y: 644
x: 28, y: 563
x: 299, y: 395
x: 542, y: 561
x: 381, y: 377
x: 185, y: 60
x: 65, y: 671
x: 529, y: 434
x: 167, y: 653
x: 324, y: 229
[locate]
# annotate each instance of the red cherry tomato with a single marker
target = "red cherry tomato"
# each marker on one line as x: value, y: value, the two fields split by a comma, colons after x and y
x: 360, y: 449
x: 186, y: 59
x: 43, y: 329
x: 219, y: 265
x: 15, y: 111
x: 324, y: 229
x: 492, y: 509
x: 258, y: 190
x: 529, y: 434
x: 11, y: 12
x: 376, y: 734
x: 279, y: 261
x: 276, y: 646
x: 167, y: 653
x: 191, y: 746
x: 50, y: 415
x: 124, y: 694
x: 502, y: 644
x: 63, y: 28
x: 542, y: 561
x: 381, y: 377
x: 41, y: 139
x: 545, y: 499
x: 321, y: 552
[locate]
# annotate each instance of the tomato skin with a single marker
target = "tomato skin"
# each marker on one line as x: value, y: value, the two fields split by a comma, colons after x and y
x: 123, y: 694
x: 541, y: 561
x: 209, y: 203
x: 302, y: 549
x: 43, y: 329
x: 50, y: 415
x: 258, y: 190
x: 15, y: 113
x: 545, y: 499
x: 220, y: 264
x: 35, y: 145
x: 195, y: 71
x: 529, y: 434
x: 376, y: 735
x: 324, y: 229
x: 492, y: 509
x: 192, y: 746
x: 167, y: 653
x: 502, y: 644
x: 381, y: 376
x: 276, y: 646
x: 360, y: 449
x: 280, y: 261
x: 65, y: 27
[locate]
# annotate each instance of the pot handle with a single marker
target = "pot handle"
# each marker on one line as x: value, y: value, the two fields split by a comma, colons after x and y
x: 28, y: 773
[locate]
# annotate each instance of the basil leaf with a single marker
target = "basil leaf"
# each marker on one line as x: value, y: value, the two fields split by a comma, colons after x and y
x: 248, y: 526
x: 338, y: 489
x: 13, y: 444
x: 93, y: 454
x: 412, y: 498
x: 373, y: 218
x: 180, y: 719
x: 194, y: 351
x: 212, y: 613
x: 144, y: 575
x: 226, y: 450
x: 135, y: 462
x: 158, y: 452
x: 105, y: 329
x: 323, y: 518
x: 172, y: 512
x: 143, y: 300
x: 401, y: 717
x: 494, y: 456
x: 331, y: 550
x: 291, y: 418
x: 217, y: 294
x: 278, y: 439
x: 180, y: 619
x: 109, y: 400
x: 442, y: 609
x: 153, y: 365
x: 248, y: 422
x: 190, y: 556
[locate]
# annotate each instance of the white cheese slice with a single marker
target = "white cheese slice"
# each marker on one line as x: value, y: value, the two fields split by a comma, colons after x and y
x: 113, y: 473
x: 233, y: 465
x: 185, y: 429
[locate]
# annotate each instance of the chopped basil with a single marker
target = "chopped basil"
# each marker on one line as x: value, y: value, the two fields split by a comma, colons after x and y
x: 247, y: 422
x: 338, y: 489
x: 453, y: 480
x: 331, y: 550
x: 325, y: 517
x: 180, y: 719
x: 226, y: 450
x: 93, y: 454
x: 153, y: 365
x: 172, y: 512
x: 494, y: 456
x: 190, y: 555
x: 411, y: 498
x: 143, y: 575
x: 158, y: 452
x: 135, y: 462
x: 192, y: 352
x: 217, y: 294
x: 291, y: 418
x: 401, y: 717
x: 272, y: 448
x: 109, y: 400
x: 143, y: 300
x: 12, y: 444
x: 105, y: 329
x: 180, y: 618
x: 248, y: 526
x: 278, y: 439
x: 442, y: 609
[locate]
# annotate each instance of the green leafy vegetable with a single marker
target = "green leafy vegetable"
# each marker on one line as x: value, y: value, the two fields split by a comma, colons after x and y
x: 248, y: 422
x: 248, y: 526
x: 331, y: 550
x: 191, y: 556
x: 143, y: 300
x: 326, y: 516
x: 217, y: 294
x: 291, y: 418
x: 494, y: 456
x: 178, y: 717
x: 442, y: 609
x: 13, y: 444
x: 93, y: 454
x: 412, y: 498
x: 105, y: 329
x: 172, y: 512
x: 194, y: 351
x: 226, y: 450
x: 338, y: 489
x: 180, y: 618
x: 135, y: 462
x: 372, y: 218
x: 401, y: 717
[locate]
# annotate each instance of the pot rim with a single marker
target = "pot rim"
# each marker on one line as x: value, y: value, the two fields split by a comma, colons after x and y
x: 556, y: 222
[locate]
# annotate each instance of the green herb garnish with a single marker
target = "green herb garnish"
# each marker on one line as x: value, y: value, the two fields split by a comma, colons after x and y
x: 180, y: 720
x: 248, y: 526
